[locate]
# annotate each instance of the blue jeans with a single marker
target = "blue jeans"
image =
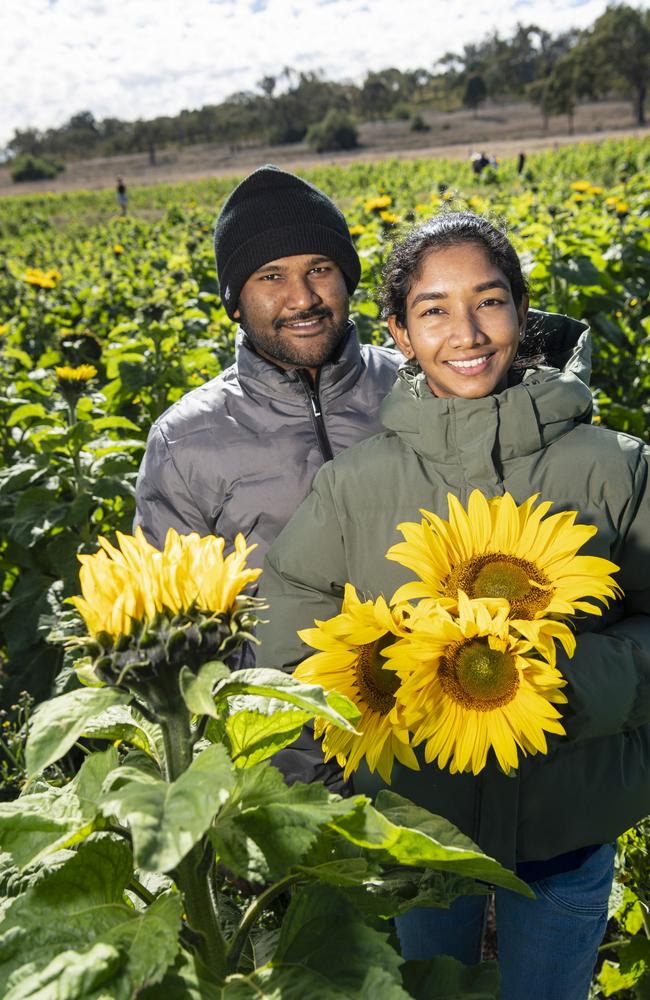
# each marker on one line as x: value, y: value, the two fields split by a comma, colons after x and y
x: 547, y: 945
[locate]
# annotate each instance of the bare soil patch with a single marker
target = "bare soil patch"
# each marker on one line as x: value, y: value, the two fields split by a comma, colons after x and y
x: 502, y: 130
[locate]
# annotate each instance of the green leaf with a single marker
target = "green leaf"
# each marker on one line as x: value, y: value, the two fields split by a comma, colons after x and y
x: 28, y: 410
x: 338, y: 710
x: 167, y: 819
x: 258, y: 727
x: 79, y: 906
x: 197, y: 689
x: 444, y: 978
x: 399, y: 890
x: 37, y: 511
x: 186, y: 979
x: 73, y: 976
x: 411, y: 835
x: 122, y: 722
x: 266, y: 827
x: 325, y: 952
x: 57, y: 724
x: 45, y: 821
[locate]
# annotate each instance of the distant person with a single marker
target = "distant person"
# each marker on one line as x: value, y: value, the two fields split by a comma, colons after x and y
x: 521, y: 162
x: 479, y: 162
x: 122, y: 197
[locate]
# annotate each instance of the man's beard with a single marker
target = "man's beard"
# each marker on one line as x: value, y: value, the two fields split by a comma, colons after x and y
x: 309, y: 353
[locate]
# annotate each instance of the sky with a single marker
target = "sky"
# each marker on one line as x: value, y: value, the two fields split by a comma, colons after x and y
x: 143, y: 58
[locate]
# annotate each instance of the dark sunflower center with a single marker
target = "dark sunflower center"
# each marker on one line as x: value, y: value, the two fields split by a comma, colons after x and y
x: 377, y: 685
x: 479, y: 677
x: 499, y: 575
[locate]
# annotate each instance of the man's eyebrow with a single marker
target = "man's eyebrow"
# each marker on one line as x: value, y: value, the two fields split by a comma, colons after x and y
x: 483, y: 287
x: 281, y: 268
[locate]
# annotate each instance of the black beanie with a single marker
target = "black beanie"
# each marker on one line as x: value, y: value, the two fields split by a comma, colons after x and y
x: 274, y: 214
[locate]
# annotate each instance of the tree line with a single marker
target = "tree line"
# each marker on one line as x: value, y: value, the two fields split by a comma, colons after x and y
x: 612, y: 57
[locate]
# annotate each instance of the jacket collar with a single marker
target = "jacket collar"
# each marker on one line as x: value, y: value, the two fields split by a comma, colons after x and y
x: 482, y: 434
x: 335, y: 377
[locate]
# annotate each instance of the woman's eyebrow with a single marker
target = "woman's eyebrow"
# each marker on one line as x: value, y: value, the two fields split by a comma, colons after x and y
x: 483, y: 287
x: 492, y: 283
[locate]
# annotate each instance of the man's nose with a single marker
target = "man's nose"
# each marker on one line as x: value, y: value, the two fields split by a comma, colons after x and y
x: 301, y: 294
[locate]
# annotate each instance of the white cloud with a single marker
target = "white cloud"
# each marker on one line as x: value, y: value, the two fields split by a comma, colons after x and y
x: 143, y: 58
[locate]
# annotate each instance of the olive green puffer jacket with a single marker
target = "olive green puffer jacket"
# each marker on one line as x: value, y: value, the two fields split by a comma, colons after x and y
x: 534, y: 437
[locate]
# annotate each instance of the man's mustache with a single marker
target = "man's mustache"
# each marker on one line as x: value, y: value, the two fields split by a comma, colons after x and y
x: 320, y: 312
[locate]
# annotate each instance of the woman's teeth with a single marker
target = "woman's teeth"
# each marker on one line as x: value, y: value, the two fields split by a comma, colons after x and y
x: 474, y: 363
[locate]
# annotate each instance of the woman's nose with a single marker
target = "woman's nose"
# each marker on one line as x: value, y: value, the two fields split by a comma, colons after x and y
x: 466, y: 331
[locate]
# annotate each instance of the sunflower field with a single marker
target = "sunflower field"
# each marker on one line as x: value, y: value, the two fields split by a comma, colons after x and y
x: 105, y: 320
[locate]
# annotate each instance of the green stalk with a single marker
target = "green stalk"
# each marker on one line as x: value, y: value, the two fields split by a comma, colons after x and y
x: 253, y: 912
x: 191, y: 874
x: 74, y: 452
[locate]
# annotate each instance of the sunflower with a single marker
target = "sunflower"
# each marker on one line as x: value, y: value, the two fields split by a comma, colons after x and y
x: 42, y: 279
x: 135, y: 582
x: 467, y: 684
x: 351, y: 661
x: 69, y: 377
x: 497, y: 549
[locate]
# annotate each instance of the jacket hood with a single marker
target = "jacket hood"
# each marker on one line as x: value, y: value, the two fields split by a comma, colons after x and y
x: 547, y: 403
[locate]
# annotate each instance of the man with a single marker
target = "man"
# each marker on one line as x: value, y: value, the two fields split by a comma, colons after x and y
x: 240, y: 452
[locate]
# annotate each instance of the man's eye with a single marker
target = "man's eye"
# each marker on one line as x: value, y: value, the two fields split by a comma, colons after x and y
x: 269, y: 277
x: 492, y: 302
x: 321, y: 269
x: 433, y: 311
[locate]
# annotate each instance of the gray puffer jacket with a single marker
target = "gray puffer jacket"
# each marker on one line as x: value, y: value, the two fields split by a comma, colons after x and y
x: 240, y: 452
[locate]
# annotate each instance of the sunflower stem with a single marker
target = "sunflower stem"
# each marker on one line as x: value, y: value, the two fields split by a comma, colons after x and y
x: 192, y: 874
x: 252, y: 914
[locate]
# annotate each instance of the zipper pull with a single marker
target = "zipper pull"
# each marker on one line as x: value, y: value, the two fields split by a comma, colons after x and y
x: 314, y: 404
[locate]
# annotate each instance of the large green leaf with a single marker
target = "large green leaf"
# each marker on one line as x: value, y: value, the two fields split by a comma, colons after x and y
x: 410, y: 835
x: 44, y: 821
x: 57, y: 724
x: 325, y: 952
x: 125, y: 723
x: 167, y: 819
x: 266, y: 827
x: 336, y: 708
x: 444, y: 978
x: 76, y: 907
x: 74, y: 975
x: 258, y: 727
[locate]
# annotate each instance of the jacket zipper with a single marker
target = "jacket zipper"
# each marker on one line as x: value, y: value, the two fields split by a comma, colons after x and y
x: 316, y: 416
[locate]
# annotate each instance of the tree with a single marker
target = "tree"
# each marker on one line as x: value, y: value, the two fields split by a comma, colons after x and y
x: 336, y: 131
x: 616, y: 52
x: 556, y: 94
x: 475, y: 92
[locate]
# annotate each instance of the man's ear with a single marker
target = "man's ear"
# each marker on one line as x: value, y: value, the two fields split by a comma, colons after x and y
x: 236, y: 314
x: 400, y: 335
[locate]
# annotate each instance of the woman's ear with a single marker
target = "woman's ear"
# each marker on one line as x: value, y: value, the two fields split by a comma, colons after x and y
x: 401, y: 336
x: 522, y: 315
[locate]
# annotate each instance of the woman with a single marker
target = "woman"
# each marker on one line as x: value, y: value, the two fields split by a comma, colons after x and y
x: 477, y: 407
